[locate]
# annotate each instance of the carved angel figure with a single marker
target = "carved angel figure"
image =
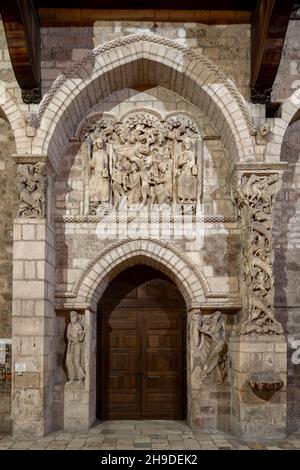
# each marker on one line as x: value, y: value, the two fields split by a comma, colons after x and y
x: 74, y: 360
x: 210, y: 358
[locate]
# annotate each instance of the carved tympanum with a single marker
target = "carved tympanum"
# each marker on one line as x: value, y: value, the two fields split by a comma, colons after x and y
x: 31, y: 185
x: 255, y: 198
x: 209, y: 349
x: 74, y: 356
x: 142, y: 160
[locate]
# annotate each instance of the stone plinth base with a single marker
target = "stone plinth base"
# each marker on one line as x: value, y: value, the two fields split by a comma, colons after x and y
x: 258, y: 414
x: 209, y: 407
x: 76, y: 409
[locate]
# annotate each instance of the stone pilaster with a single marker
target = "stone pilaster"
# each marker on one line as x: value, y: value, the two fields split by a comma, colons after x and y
x: 33, y: 317
x: 257, y: 347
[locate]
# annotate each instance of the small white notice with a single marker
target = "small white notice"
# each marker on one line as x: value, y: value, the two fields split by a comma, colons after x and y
x: 20, y: 367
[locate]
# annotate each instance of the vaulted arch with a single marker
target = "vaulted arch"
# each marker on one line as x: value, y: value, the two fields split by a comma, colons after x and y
x: 143, y: 59
x: 158, y: 254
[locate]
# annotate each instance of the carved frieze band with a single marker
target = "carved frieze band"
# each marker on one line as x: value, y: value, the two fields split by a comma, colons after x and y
x: 90, y: 219
x: 255, y: 198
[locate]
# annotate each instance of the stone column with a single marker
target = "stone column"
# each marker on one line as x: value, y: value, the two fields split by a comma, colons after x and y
x: 257, y: 347
x: 33, y: 318
x: 80, y: 394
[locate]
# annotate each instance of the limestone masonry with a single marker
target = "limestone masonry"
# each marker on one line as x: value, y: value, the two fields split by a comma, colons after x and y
x: 146, y: 151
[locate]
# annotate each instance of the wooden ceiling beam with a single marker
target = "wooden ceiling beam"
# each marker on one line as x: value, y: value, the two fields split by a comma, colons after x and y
x: 60, y: 17
x: 269, y: 24
x: 22, y: 31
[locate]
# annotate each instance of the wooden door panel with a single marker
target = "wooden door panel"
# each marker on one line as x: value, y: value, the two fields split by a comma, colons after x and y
x: 162, y: 339
x: 142, y: 364
x: 162, y: 364
x: 120, y: 365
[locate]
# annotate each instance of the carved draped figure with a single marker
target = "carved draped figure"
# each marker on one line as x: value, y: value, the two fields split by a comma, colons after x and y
x: 74, y: 360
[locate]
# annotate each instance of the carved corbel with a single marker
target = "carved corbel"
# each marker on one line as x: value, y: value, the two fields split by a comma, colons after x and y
x: 254, y: 198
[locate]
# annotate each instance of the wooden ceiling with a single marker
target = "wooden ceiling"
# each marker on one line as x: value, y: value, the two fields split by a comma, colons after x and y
x: 23, y: 18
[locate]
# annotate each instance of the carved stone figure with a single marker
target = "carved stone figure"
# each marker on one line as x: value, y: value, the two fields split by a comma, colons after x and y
x: 186, y: 175
x: 32, y: 184
x: 74, y: 357
x: 151, y: 161
x: 209, y: 349
x: 99, y: 183
x: 255, y: 198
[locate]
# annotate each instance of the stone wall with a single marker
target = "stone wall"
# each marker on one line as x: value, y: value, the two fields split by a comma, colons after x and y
x: 226, y: 45
x: 288, y: 75
x: 287, y: 226
x: 7, y: 206
x: 287, y: 264
x: 77, y: 243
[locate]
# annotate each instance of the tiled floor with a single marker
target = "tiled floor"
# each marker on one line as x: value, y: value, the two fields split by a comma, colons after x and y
x: 146, y: 435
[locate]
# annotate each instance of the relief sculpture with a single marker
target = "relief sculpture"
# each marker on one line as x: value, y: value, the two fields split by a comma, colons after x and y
x: 255, y: 198
x: 143, y: 161
x: 74, y: 356
x: 209, y: 349
x: 31, y: 185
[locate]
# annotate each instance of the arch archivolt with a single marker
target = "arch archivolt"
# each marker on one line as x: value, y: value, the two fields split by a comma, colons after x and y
x: 164, y: 256
x: 13, y: 115
x: 146, y: 59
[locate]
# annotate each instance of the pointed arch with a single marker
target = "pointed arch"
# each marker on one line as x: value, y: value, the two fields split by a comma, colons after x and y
x: 140, y: 59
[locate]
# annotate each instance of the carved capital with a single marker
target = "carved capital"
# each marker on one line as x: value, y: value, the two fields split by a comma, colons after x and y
x: 255, y: 198
x: 32, y: 187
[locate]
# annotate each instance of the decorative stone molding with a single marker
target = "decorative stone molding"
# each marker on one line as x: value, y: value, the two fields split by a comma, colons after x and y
x: 208, y: 349
x: 255, y: 198
x: 193, y: 283
x: 151, y: 39
x: 263, y: 166
x: 94, y: 219
x: 32, y: 187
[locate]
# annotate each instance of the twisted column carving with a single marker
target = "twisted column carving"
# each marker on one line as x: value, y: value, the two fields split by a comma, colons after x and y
x: 255, y: 198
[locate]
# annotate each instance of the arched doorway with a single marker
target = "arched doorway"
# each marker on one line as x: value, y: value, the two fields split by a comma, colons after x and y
x: 141, y: 354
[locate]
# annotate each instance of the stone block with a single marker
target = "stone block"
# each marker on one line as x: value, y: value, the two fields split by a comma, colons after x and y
x: 27, y: 379
x: 28, y: 231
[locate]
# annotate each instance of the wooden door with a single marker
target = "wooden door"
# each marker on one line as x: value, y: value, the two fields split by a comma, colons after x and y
x: 142, y: 363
